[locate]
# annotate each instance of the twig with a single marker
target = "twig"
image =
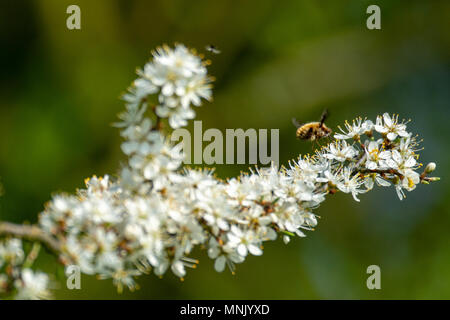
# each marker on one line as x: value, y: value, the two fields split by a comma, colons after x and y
x: 383, y: 172
x: 30, y: 232
x: 32, y: 255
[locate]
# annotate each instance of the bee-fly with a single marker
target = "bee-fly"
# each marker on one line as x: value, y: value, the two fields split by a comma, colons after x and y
x: 312, y: 131
x: 212, y: 48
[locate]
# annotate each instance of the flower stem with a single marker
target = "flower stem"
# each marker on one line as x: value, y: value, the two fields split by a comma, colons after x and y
x: 30, y: 232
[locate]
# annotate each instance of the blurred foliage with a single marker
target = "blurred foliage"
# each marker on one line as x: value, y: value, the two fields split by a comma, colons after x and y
x: 59, y: 94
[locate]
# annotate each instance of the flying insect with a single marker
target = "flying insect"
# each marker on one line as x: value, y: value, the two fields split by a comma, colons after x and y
x: 313, y: 131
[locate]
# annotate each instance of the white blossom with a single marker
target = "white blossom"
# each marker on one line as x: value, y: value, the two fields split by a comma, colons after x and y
x: 390, y: 126
x: 357, y: 128
x: 376, y: 156
x: 152, y: 215
x: 350, y: 183
x: 32, y: 285
x: 340, y: 151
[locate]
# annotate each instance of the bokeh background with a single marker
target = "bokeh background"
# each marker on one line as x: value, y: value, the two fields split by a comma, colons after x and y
x: 59, y: 93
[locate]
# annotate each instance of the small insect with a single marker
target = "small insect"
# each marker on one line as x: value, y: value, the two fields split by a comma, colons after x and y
x: 312, y: 131
x: 212, y: 48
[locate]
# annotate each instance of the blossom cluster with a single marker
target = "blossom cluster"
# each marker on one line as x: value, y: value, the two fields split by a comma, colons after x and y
x: 155, y: 213
x: 388, y: 159
x: 17, y: 276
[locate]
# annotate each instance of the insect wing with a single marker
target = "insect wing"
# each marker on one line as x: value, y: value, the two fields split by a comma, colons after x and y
x: 212, y: 49
x: 296, y: 123
x: 324, y: 116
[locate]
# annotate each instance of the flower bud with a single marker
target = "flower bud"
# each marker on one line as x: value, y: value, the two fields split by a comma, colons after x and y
x: 430, y: 167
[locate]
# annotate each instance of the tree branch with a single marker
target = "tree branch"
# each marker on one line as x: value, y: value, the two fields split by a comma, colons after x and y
x: 33, y: 233
x: 383, y: 172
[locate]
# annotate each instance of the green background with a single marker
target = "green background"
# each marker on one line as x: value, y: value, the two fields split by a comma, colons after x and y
x: 60, y: 91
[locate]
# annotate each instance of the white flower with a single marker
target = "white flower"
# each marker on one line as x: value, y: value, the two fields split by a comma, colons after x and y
x: 171, y: 65
x: 390, y: 127
x: 310, y: 219
x: 242, y: 192
x: 82, y: 254
x: 350, y: 183
x: 134, y: 99
x: 410, y: 179
x: 331, y: 176
x: 224, y: 255
x: 123, y: 277
x: 137, y: 138
x: 100, y: 210
x: 107, y: 257
x: 375, y: 157
x: 177, y: 116
x: 369, y: 181
x: 244, y: 241
x: 32, y: 285
x: 140, y: 89
x: 355, y: 130
x: 216, y: 210
x: 159, y: 165
x: 195, y: 89
x: 398, y: 162
x: 11, y: 252
x: 288, y: 217
x: 407, y: 146
x: 340, y: 151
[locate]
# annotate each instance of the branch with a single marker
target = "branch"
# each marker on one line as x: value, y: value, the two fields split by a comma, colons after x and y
x: 33, y: 233
x: 382, y: 172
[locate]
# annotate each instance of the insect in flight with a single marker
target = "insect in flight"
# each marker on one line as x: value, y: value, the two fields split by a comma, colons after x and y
x: 312, y: 131
x: 212, y: 48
